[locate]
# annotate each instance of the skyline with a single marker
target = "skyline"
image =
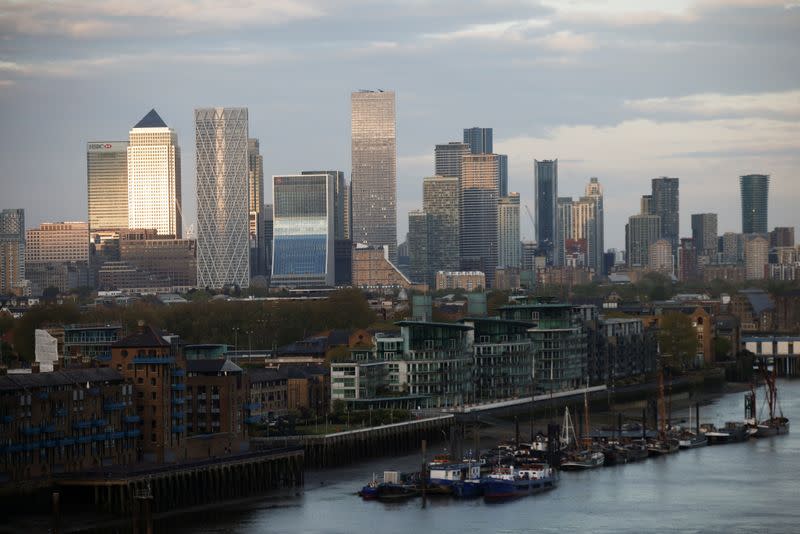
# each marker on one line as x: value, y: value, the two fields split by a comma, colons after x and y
x: 577, y: 86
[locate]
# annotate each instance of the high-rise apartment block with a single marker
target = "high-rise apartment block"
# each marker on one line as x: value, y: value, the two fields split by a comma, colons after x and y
x: 756, y: 257
x: 223, y: 199
x: 564, y: 226
x: 255, y: 171
x: 732, y: 247
x: 340, y: 194
x: 449, y: 158
x: 591, y: 215
x: 418, y: 253
x: 666, y: 205
x: 478, y: 231
x: 154, y: 177
x: 546, y: 192
x: 12, y: 250
x: 441, y: 197
x: 107, y: 184
x: 479, y: 140
x: 660, y: 257
x: 509, y: 250
x: 502, y: 170
x: 641, y: 232
x: 704, y: 234
x: 754, y: 189
x: 781, y: 236
x: 303, y: 230
x: 374, y: 176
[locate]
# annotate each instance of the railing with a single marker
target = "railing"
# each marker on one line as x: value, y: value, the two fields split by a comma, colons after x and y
x: 31, y: 431
x: 178, y: 387
x: 113, y: 406
x: 132, y: 419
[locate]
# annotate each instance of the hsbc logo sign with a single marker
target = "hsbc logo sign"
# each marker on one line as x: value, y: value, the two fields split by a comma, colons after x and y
x: 101, y: 146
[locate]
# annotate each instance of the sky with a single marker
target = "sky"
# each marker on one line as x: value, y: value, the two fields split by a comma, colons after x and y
x: 625, y: 90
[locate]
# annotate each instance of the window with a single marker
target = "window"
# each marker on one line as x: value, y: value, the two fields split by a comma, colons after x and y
x: 154, y: 395
x: 152, y: 381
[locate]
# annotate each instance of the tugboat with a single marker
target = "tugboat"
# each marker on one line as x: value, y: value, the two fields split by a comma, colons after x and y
x: 443, y: 477
x: 508, y: 482
x: 394, y: 487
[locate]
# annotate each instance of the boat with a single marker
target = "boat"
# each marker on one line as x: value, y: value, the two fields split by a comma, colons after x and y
x: 509, y: 482
x: 662, y: 447
x: 394, y: 486
x: 388, y: 491
x: 691, y: 439
x: 636, y: 451
x: 468, y: 488
x: 732, y: 432
x: 614, y: 454
x: 370, y: 490
x: 442, y: 477
x: 775, y: 424
x: 582, y: 460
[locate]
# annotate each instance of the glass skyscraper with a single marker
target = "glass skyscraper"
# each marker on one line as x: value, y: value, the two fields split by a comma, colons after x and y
x: 303, y: 230
x: 666, y: 204
x: 479, y: 140
x: 755, y: 194
x: 441, y: 197
x: 12, y: 249
x: 223, y: 197
x: 509, y: 249
x: 374, y: 176
x: 704, y: 234
x: 479, y: 201
x: 107, y: 184
x: 449, y: 157
x: 546, y: 192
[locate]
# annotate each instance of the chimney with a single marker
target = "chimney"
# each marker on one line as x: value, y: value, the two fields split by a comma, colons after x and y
x: 35, y: 367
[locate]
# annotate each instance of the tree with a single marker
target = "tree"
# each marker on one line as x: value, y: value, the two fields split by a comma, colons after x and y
x: 677, y: 339
x: 722, y: 348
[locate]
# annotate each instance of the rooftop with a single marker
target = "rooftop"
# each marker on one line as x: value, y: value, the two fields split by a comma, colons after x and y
x: 145, y: 337
x: 151, y: 120
x: 64, y: 377
x: 215, y: 366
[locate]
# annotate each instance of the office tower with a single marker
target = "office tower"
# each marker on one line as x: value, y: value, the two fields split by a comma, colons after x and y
x: 348, y: 211
x: 303, y: 230
x: 666, y: 205
x: 449, y: 158
x: 641, y: 232
x: 546, y: 191
x: 419, y: 271
x: 479, y: 140
x: 509, y: 250
x: 154, y: 177
x: 592, y: 217
x: 374, y: 176
x: 255, y: 171
x: 646, y: 205
x: 268, y: 237
x: 502, y: 170
x: 687, y: 260
x: 12, y: 250
x: 107, y: 184
x: 223, y: 197
x: 732, y: 247
x: 57, y: 255
x: 339, y: 202
x: 781, y: 236
x: 756, y: 257
x: 704, y: 234
x: 529, y: 249
x: 564, y: 228
x: 660, y: 256
x: 754, y: 190
x: 478, y: 229
x: 441, y: 197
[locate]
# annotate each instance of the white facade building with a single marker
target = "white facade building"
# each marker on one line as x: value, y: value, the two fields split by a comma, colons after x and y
x: 154, y: 177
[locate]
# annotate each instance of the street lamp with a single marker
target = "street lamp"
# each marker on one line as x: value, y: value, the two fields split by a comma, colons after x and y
x: 235, y: 338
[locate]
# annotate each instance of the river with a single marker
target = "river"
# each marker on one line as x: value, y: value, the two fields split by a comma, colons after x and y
x: 745, y: 487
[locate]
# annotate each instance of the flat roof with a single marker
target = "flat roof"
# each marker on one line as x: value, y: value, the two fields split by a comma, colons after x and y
x: 430, y: 323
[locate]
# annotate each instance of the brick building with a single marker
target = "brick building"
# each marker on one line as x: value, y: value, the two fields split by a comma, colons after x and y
x: 216, y: 393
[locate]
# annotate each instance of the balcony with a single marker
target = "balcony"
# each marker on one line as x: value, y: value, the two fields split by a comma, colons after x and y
x: 78, y: 425
x: 252, y: 420
x: 178, y: 387
x: 133, y: 433
x: 42, y: 395
x: 178, y: 372
x: 84, y: 439
x: 31, y: 431
x: 132, y: 419
x: 32, y: 446
x: 48, y: 429
x: 61, y: 412
x: 118, y: 435
x: 177, y: 429
x: 252, y: 406
x: 65, y: 442
x: 15, y: 447
x: 7, y: 419
x: 178, y: 401
x: 153, y: 360
x: 94, y: 392
x: 50, y: 443
x: 114, y: 406
x: 99, y: 423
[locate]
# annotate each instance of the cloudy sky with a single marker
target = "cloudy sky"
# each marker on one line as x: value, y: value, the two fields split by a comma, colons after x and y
x: 625, y: 90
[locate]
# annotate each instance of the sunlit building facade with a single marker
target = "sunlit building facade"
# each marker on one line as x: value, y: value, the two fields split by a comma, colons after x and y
x: 107, y: 184
x: 479, y: 201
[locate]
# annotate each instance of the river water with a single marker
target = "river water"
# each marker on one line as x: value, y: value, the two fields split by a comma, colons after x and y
x: 744, y: 487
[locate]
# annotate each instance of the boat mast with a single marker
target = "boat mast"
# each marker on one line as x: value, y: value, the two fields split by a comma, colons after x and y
x: 662, y: 415
x: 587, y: 439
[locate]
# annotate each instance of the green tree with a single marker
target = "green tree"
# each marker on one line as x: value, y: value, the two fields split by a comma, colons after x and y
x: 722, y: 348
x: 677, y: 339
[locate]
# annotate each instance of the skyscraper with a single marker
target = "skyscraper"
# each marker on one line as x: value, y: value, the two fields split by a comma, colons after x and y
x: 666, y: 205
x: 418, y: 235
x: 12, y: 249
x: 479, y: 140
x: 509, y: 249
x: 255, y: 171
x: 660, y: 257
x: 303, y: 230
x: 107, y: 184
x: 595, y: 225
x: 565, y: 228
x: 646, y: 205
x: 546, y: 191
x: 478, y: 230
x: 756, y: 256
x: 641, y: 232
x: 502, y: 170
x: 449, y: 158
x: 754, y: 190
x: 704, y: 234
x: 374, y: 176
x: 223, y: 197
x: 154, y: 176
x: 441, y: 197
